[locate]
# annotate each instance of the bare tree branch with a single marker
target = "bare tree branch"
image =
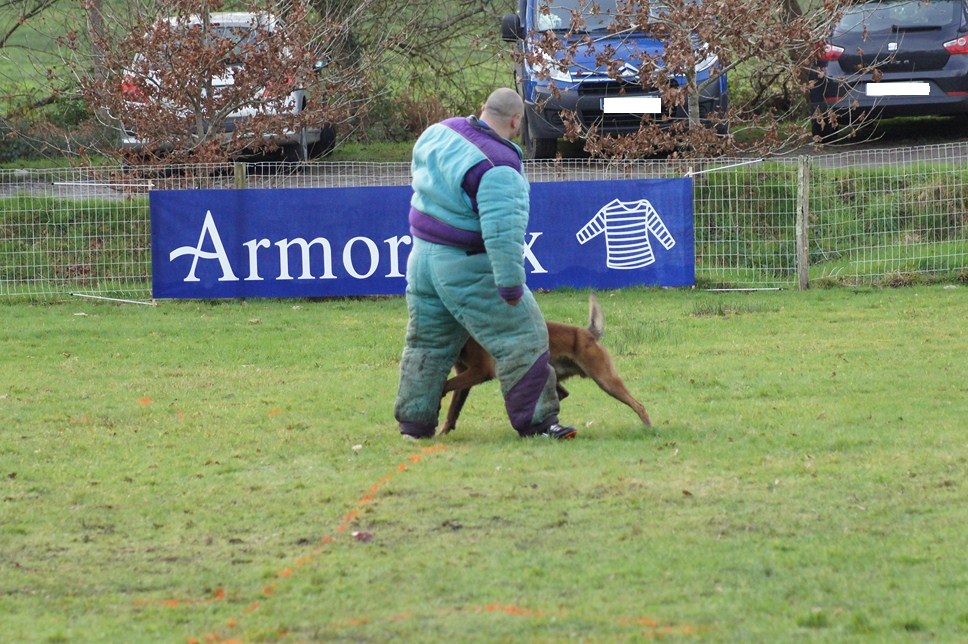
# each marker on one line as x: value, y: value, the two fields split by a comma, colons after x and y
x: 20, y: 11
x: 770, y: 39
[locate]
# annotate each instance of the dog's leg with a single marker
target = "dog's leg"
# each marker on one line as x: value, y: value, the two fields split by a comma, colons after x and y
x: 474, y: 366
x: 597, y: 364
x: 453, y: 411
x: 606, y: 376
x: 458, y: 385
x: 465, y: 379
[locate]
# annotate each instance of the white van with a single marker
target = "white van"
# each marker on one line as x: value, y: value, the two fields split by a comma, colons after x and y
x: 242, y: 28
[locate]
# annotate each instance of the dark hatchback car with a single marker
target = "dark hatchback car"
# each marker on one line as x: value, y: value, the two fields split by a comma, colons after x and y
x: 891, y: 58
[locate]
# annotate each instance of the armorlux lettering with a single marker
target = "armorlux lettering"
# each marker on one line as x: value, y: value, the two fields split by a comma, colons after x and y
x: 348, y: 257
x: 307, y: 259
x: 208, y: 226
x: 536, y: 266
x: 284, y: 246
x: 254, y: 247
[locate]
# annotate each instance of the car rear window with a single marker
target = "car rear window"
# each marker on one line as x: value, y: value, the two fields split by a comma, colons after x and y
x: 895, y: 15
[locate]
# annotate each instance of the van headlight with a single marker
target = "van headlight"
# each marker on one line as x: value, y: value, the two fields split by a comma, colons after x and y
x: 558, y: 74
x: 711, y: 60
x: 553, y: 68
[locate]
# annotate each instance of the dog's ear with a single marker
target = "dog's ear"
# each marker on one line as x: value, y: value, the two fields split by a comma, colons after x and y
x: 596, y: 319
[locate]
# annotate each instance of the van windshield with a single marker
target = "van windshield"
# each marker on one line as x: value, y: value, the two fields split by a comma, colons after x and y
x: 243, y: 40
x: 244, y: 36
x: 587, y: 15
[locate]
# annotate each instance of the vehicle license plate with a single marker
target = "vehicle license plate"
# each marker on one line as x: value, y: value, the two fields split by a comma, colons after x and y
x: 898, y: 89
x: 632, y: 105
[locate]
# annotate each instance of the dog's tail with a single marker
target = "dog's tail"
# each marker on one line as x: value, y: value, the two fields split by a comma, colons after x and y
x: 596, y: 319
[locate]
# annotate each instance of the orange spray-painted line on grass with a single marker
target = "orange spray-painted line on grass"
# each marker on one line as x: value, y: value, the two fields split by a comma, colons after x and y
x: 647, y: 627
x: 304, y: 560
x: 650, y: 627
x: 216, y: 596
x: 517, y: 611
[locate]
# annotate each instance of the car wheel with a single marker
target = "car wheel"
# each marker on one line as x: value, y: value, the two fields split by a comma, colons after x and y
x: 824, y: 123
x: 823, y: 129
x: 535, y: 147
x: 325, y: 144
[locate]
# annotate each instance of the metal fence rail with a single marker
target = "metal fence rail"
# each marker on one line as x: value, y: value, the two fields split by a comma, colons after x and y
x: 888, y: 216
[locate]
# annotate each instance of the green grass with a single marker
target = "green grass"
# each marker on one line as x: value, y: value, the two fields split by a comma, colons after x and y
x: 67, y: 241
x: 879, y: 222
x: 376, y: 152
x: 30, y: 50
x: 197, y: 470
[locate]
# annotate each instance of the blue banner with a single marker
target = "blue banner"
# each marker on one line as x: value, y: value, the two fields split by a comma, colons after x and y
x: 321, y: 242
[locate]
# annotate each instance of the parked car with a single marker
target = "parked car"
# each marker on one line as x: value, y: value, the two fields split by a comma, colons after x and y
x: 888, y: 58
x: 613, y: 105
x: 245, y: 30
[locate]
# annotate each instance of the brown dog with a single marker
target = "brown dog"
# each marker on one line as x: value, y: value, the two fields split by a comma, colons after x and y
x: 574, y: 352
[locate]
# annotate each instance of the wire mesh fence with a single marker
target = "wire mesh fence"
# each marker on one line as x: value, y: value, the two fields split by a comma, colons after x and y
x: 883, y: 216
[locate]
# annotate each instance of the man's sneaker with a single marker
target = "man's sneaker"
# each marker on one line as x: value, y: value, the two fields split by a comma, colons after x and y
x: 560, y: 433
x: 416, y: 431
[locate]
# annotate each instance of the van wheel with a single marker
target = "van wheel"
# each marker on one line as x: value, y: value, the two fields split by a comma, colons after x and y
x: 536, y: 148
x: 295, y: 152
x: 325, y: 144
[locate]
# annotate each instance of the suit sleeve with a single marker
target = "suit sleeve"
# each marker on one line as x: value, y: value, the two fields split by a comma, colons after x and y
x: 503, y: 203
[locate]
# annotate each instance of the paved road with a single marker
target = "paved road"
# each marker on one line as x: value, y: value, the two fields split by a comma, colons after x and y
x: 888, y: 143
x: 899, y: 141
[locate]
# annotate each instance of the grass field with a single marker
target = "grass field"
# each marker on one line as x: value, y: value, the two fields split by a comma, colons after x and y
x: 230, y: 470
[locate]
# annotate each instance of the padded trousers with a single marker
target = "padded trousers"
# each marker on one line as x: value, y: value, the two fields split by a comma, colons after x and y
x: 451, y: 294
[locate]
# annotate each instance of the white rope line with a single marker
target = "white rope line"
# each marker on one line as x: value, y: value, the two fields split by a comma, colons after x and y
x: 691, y: 173
x: 114, y: 299
x: 98, y: 184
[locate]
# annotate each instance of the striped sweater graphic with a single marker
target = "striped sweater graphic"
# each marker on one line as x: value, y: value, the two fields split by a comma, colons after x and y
x: 627, y: 226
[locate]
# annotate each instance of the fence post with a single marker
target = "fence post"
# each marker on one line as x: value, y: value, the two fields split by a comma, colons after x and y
x: 802, y: 222
x: 239, y: 173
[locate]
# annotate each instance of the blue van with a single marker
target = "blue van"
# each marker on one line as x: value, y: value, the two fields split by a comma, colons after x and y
x: 613, y: 105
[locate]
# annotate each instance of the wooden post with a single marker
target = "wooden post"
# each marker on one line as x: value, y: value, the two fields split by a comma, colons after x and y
x: 802, y: 223
x: 240, y: 175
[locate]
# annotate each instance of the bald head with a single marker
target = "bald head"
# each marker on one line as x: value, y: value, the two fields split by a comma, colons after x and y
x: 503, y: 111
